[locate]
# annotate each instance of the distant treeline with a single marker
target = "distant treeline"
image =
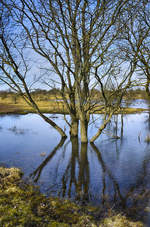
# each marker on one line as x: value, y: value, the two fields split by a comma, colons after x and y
x: 56, y: 93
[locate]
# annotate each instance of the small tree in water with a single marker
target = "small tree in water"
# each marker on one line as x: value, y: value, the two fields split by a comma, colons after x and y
x: 77, y: 41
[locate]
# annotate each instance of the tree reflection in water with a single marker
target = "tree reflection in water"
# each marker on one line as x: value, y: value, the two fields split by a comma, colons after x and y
x: 135, y: 198
x: 36, y: 174
x: 76, y: 180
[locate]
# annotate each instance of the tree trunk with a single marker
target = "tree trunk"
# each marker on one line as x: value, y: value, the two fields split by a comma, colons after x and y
x: 52, y: 123
x: 74, y: 127
x: 147, y: 88
x: 83, y: 131
x: 102, y: 127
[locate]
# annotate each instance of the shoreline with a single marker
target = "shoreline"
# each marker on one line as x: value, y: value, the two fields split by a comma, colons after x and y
x: 22, y: 204
x: 58, y: 108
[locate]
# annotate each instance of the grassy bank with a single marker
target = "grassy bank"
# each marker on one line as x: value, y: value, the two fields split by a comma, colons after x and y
x: 23, y: 205
x: 7, y: 105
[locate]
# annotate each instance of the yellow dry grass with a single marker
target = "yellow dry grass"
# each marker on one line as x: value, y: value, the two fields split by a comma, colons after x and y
x: 11, y: 105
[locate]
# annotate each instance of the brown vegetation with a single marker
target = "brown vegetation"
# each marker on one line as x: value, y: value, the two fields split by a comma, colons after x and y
x: 51, y: 102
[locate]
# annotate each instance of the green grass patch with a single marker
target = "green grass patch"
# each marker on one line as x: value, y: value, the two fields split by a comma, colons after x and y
x: 22, y: 204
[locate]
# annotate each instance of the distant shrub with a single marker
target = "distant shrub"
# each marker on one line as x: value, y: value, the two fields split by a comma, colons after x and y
x: 3, y: 95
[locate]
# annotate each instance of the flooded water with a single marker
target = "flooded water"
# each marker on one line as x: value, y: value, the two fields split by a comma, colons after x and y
x: 139, y: 103
x: 113, y: 171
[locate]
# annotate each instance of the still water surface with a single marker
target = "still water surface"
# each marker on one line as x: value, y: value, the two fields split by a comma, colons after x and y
x: 113, y: 170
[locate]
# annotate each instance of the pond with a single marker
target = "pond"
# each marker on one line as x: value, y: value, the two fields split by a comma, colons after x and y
x: 113, y: 171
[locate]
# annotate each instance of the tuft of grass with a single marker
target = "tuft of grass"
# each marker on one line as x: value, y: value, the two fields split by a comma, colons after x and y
x: 119, y: 221
x: 147, y: 139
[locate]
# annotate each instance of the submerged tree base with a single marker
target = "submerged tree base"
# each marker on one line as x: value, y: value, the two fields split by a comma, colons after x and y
x: 22, y: 204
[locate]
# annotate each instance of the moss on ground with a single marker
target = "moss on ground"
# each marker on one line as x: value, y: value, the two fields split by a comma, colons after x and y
x: 23, y: 205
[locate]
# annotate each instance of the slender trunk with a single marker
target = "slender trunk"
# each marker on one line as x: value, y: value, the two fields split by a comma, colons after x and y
x: 27, y: 97
x: 102, y: 127
x: 74, y: 127
x: 147, y: 88
x: 83, y: 131
x: 52, y: 123
x: 122, y: 126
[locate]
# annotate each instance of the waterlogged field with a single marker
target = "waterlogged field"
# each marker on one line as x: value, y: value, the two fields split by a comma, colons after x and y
x: 114, y: 172
x: 54, y: 104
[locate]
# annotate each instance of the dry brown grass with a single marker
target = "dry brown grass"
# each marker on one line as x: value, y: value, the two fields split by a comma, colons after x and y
x: 18, y: 105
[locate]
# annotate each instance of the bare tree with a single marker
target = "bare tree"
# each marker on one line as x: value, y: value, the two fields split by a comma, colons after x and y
x: 14, y: 68
x: 135, y: 42
x: 77, y: 40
